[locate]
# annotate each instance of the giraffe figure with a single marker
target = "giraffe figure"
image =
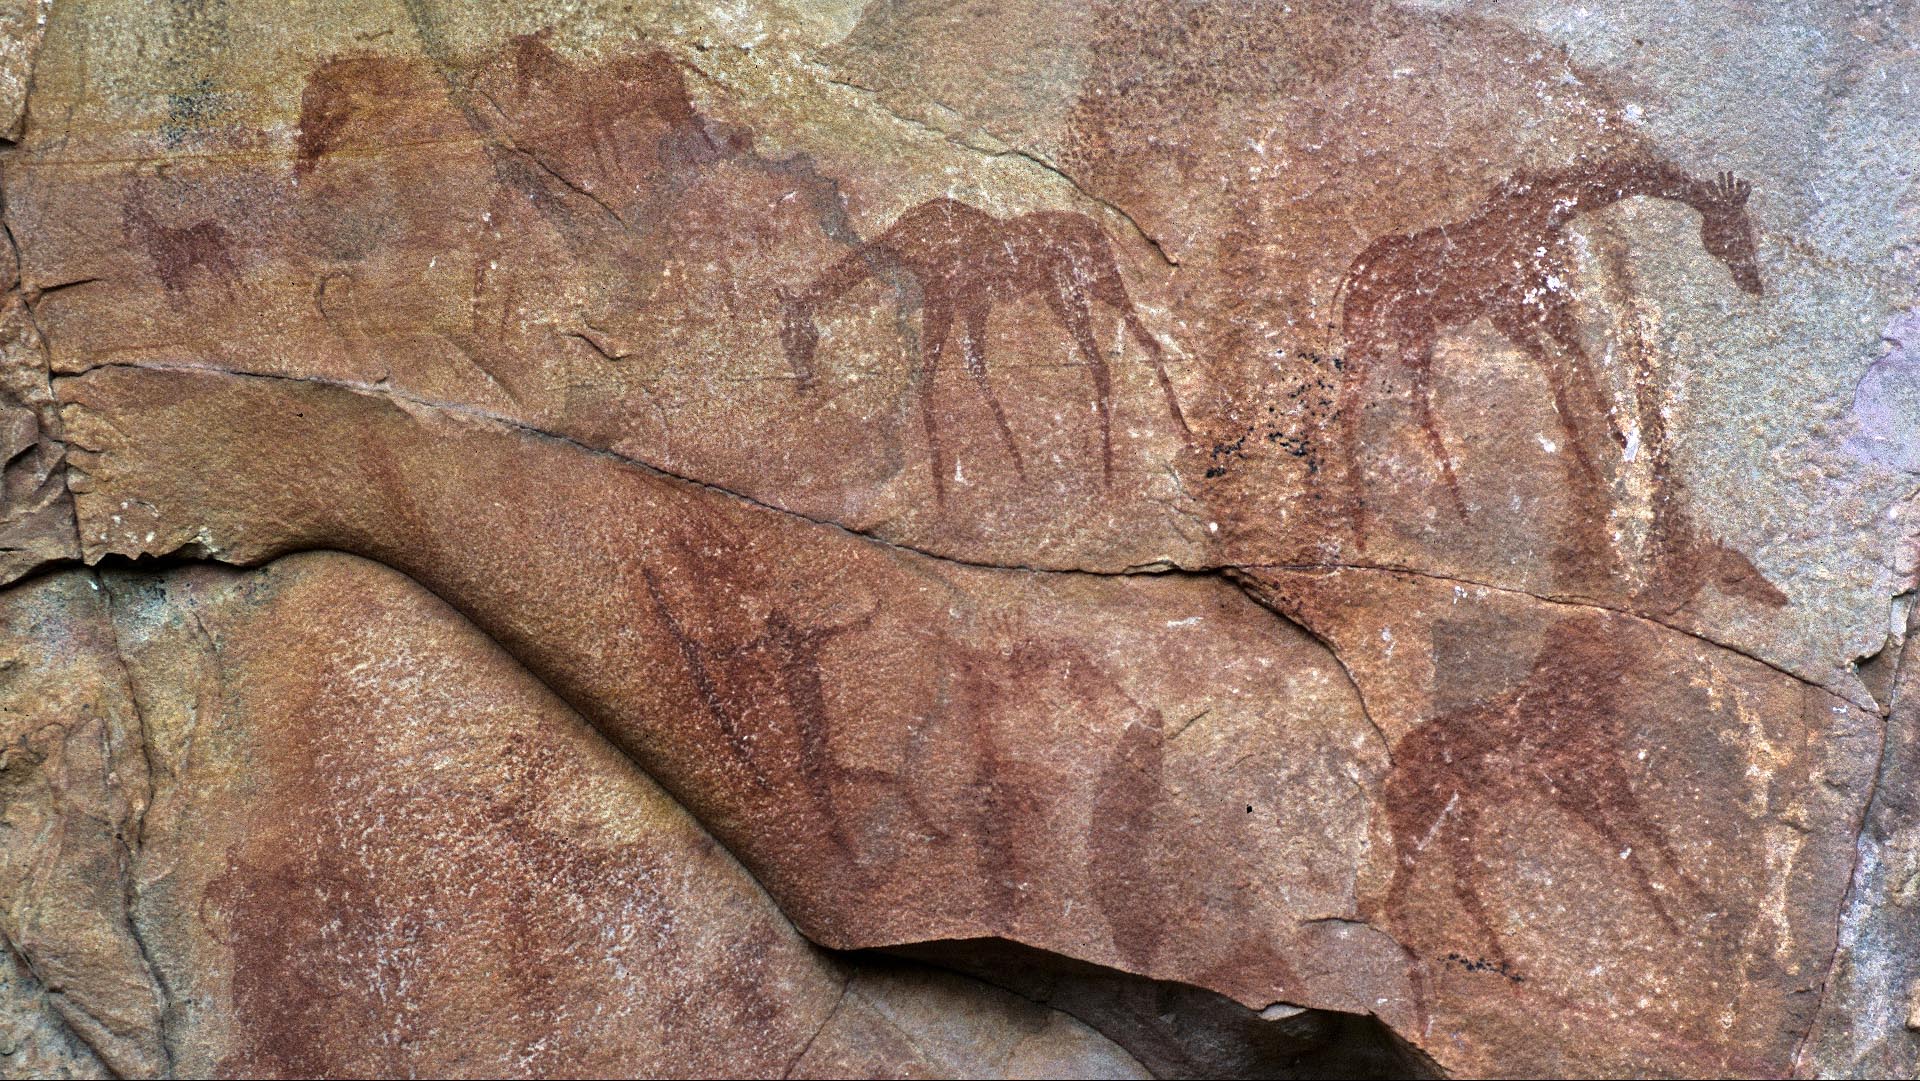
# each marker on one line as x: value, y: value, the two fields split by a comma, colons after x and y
x: 1509, y: 261
x: 1557, y: 739
x: 964, y: 261
x: 767, y: 695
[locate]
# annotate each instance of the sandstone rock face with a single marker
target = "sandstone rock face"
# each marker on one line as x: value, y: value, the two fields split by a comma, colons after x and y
x: 1004, y: 538
x: 361, y: 840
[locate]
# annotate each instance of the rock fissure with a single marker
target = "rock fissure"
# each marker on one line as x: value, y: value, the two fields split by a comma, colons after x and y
x: 130, y: 848
x: 1571, y: 602
x: 472, y: 413
x: 1258, y: 597
x: 1856, y: 884
x: 839, y: 1000
x: 61, y: 1004
x: 1152, y: 568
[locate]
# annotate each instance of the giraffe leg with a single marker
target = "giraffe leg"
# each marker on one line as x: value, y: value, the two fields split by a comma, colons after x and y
x: 1459, y: 837
x: 936, y: 321
x: 1585, y: 556
x: 973, y: 335
x: 1599, y: 818
x: 705, y: 683
x: 1352, y: 498
x: 1653, y: 839
x: 1071, y: 304
x: 1147, y: 341
x: 1645, y: 835
x: 1561, y: 328
x: 1109, y: 288
x: 1602, y: 797
x: 1570, y: 417
x: 1419, y: 364
x: 1612, y: 792
x: 1406, y: 835
x: 1582, y: 469
x: 1575, y: 392
x: 1579, y: 375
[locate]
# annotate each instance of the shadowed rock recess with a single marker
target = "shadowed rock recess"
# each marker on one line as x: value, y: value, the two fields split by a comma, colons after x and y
x: 987, y: 538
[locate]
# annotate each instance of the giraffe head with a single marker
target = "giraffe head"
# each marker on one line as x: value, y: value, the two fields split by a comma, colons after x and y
x: 1736, y: 576
x: 1727, y: 233
x: 800, y: 337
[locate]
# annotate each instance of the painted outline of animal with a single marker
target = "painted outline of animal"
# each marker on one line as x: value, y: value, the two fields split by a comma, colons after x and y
x: 964, y: 261
x: 772, y: 682
x: 1556, y: 737
x: 1509, y: 261
x: 177, y: 250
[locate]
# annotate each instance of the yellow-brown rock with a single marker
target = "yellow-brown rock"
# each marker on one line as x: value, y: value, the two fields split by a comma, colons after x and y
x: 1000, y: 538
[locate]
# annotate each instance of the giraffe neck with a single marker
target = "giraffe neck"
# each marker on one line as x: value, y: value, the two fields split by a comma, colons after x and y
x: 851, y: 269
x: 1581, y: 191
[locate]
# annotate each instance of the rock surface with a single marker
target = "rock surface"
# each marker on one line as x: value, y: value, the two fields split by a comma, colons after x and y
x: 362, y: 840
x: 1003, y: 538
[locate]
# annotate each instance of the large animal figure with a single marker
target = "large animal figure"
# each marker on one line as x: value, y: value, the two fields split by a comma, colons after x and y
x: 1509, y: 261
x: 964, y: 261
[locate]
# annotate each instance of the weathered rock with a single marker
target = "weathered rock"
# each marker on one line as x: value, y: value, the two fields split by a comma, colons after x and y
x: 1517, y: 399
x: 900, y: 748
x: 362, y: 840
x: 22, y: 25
x: 1177, y: 1030
x: 76, y: 794
x: 1869, y: 1021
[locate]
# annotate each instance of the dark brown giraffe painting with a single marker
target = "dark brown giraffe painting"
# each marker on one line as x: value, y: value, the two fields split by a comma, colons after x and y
x: 1510, y: 262
x: 183, y: 254
x: 764, y: 691
x: 964, y: 261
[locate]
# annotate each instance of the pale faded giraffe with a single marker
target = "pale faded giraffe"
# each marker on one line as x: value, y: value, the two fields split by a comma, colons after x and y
x: 964, y: 261
x: 1556, y: 740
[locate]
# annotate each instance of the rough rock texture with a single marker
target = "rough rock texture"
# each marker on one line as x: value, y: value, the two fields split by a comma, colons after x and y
x: 998, y: 538
x: 361, y: 840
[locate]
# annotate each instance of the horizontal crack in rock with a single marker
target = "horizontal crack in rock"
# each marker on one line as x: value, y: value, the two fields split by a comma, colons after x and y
x: 1202, y: 569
